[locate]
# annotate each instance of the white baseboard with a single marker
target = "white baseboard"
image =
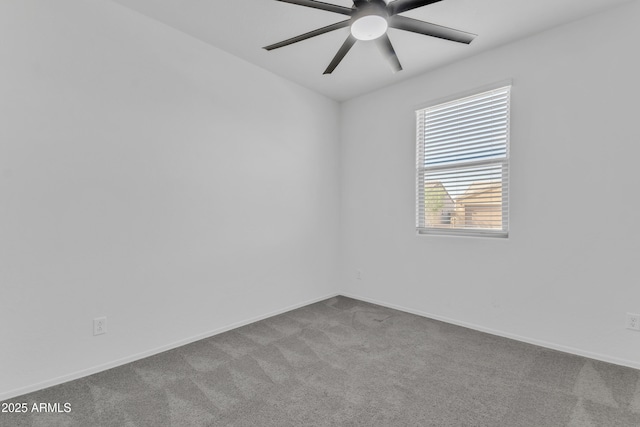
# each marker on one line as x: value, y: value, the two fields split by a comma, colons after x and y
x: 103, y: 367
x: 541, y: 343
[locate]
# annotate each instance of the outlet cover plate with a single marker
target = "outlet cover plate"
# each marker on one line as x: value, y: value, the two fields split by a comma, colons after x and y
x: 99, y: 325
x: 633, y: 321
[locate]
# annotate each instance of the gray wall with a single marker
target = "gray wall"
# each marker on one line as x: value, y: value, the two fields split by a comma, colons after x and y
x: 152, y: 179
x: 568, y: 272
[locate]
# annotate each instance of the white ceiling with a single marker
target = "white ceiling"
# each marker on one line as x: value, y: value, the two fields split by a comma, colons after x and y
x: 243, y: 27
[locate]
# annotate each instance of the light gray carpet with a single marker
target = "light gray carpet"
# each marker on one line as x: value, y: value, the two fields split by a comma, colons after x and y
x: 343, y: 362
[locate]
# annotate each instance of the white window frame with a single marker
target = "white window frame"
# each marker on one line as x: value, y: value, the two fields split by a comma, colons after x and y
x: 422, y: 169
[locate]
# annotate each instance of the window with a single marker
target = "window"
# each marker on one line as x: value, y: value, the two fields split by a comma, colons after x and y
x: 462, y: 172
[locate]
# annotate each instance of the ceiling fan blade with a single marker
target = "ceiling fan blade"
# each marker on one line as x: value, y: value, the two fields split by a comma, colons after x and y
x: 400, y: 6
x: 358, y: 3
x: 348, y: 44
x: 310, y: 34
x: 385, y: 46
x: 321, y: 5
x: 429, y: 29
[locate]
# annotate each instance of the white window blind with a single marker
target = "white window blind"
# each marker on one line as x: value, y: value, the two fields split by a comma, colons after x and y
x: 462, y: 172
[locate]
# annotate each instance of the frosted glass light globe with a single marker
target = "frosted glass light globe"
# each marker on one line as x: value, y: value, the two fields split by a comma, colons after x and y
x: 369, y: 27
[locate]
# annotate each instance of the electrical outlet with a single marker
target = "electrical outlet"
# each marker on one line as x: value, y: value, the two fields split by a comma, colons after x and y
x: 633, y: 321
x: 359, y: 274
x: 99, y: 325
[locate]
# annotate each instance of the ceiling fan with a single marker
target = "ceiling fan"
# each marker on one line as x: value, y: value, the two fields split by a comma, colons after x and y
x: 369, y: 20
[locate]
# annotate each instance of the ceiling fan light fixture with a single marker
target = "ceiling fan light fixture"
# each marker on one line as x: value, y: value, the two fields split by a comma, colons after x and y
x: 369, y: 27
x: 369, y: 20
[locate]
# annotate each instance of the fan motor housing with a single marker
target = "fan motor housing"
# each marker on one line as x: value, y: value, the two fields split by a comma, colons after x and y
x: 373, y: 7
